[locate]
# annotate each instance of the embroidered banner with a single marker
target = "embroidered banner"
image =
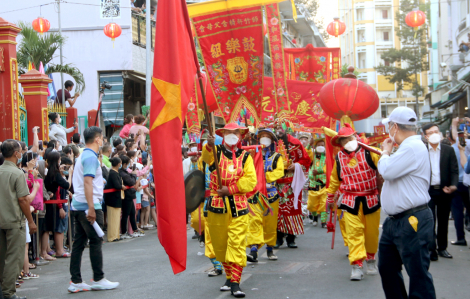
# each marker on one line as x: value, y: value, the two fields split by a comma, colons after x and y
x: 311, y: 64
x: 306, y: 114
x: 232, y: 47
x: 14, y: 99
x: 276, y: 49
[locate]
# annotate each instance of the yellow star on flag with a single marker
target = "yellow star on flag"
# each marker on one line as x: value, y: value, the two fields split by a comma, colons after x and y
x: 171, y: 93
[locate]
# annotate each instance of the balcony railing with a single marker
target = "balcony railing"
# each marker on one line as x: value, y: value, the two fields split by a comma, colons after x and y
x: 139, y: 30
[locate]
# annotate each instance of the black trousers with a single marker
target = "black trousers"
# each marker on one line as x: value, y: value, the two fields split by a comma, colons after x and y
x: 460, y: 200
x: 128, y: 210
x: 84, y: 231
x: 401, y: 245
x: 289, y: 238
x: 440, y: 204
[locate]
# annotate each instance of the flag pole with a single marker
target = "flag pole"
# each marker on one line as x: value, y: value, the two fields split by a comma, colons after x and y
x: 201, y: 86
x: 208, y: 118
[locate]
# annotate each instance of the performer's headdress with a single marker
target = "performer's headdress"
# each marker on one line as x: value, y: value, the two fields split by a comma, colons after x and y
x: 270, y: 132
x: 345, y: 131
x: 318, y: 140
x: 304, y: 135
x: 231, y: 127
x: 283, y: 120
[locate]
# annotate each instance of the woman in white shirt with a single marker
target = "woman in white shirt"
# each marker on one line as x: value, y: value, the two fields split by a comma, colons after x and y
x: 57, y: 131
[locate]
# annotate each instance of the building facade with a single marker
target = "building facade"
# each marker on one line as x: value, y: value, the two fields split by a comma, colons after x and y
x: 370, y: 31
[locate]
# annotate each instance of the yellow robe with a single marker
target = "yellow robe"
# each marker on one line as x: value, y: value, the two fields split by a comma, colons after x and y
x: 361, y: 232
x: 228, y: 230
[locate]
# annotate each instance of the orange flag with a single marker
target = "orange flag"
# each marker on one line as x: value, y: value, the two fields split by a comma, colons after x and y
x: 174, y: 70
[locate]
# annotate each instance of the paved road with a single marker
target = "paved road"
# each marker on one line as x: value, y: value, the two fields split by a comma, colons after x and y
x: 311, y: 271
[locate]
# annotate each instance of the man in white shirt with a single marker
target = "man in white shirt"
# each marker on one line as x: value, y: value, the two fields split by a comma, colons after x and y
x: 408, y: 231
x: 444, y: 181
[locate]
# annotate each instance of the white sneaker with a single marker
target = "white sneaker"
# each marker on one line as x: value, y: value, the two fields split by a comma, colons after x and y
x: 315, y: 223
x: 104, y: 284
x: 126, y: 236
x: 372, y: 267
x: 201, y: 244
x: 357, y: 273
x: 78, y: 287
x: 149, y: 226
x: 136, y: 235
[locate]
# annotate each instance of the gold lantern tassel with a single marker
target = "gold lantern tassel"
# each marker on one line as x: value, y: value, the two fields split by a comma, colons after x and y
x: 347, y: 120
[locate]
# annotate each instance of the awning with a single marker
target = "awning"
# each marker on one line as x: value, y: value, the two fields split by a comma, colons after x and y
x: 451, y: 99
x: 446, y: 97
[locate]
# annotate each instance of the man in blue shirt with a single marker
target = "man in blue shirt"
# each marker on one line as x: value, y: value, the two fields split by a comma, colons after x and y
x: 85, y: 210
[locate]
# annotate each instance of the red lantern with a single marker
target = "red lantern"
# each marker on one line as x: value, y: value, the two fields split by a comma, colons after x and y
x: 112, y: 30
x: 415, y: 18
x: 350, y: 97
x: 41, y: 25
x: 336, y: 27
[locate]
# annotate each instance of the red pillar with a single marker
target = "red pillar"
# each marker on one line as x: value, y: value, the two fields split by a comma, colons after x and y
x: 72, y: 117
x: 92, y: 118
x: 9, y: 98
x: 35, y: 94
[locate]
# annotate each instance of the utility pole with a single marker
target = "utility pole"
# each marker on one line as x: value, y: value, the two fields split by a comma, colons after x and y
x: 148, y: 48
x: 61, y: 56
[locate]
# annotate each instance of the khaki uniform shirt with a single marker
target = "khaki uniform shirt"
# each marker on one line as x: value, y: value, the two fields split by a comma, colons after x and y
x: 12, y: 186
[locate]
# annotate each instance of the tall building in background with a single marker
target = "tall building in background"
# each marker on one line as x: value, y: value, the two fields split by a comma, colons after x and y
x: 370, y: 30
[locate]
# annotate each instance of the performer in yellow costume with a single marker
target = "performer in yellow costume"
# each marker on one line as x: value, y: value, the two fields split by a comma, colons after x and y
x: 228, y: 206
x: 317, y: 182
x: 354, y: 173
x: 263, y: 229
x: 198, y: 217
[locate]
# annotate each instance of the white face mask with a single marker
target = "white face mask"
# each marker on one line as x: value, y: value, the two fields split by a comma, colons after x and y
x: 351, y: 146
x: 304, y: 142
x: 434, y: 138
x: 231, y: 139
x: 320, y: 149
x: 266, y: 141
x: 193, y: 149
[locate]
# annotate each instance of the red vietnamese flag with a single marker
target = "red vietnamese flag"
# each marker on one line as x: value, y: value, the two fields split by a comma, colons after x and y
x: 173, y: 82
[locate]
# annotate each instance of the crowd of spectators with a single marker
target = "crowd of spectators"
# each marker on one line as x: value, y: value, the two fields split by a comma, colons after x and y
x: 37, y: 190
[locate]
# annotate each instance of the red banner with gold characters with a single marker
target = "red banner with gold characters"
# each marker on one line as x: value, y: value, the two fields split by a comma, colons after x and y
x: 45, y: 125
x: 278, y: 64
x: 311, y: 64
x: 306, y: 113
x: 15, y: 99
x: 232, y: 46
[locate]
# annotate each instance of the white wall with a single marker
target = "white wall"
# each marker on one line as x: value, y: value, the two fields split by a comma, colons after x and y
x: 86, y: 47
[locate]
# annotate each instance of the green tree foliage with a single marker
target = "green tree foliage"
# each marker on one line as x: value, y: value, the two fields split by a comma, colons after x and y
x: 412, y: 57
x: 312, y: 7
x: 36, y: 48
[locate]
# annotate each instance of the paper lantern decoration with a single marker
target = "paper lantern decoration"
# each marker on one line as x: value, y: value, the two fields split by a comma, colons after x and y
x: 348, y: 97
x: 112, y: 30
x: 415, y: 18
x: 336, y: 27
x: 41, y: 25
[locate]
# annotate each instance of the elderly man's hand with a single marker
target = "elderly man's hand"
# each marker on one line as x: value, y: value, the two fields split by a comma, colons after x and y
x: 387, y: 145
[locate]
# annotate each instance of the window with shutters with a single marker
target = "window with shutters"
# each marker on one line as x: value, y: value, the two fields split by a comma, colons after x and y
x: 384, y: 14
x: 386, y: 36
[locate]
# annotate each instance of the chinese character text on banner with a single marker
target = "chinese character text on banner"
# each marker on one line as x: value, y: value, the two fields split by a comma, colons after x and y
x: 232, y: 46
x: 281, y: 94
x: 307, y: 114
